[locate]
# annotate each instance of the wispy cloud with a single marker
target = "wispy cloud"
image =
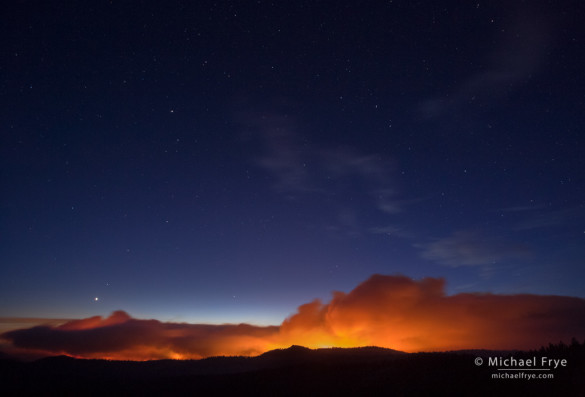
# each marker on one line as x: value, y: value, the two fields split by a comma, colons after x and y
x: 287, y: 159
x: 341, y: 175
x: 522, y: 208
x: 523, y: 46
x: 349, y: 167
x: 469, y: 248
x: 390, y: 230
x: 548, y: 219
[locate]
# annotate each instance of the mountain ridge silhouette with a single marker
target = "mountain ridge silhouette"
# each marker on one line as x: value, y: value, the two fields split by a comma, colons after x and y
x: 293, y: 371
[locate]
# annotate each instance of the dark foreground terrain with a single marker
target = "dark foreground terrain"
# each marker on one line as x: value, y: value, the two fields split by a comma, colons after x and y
x: 297, y: 371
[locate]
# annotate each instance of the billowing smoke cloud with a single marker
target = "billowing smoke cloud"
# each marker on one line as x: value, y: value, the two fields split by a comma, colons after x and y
x: 400, y: 313
x: 388, y: 311
x: 122, y: 337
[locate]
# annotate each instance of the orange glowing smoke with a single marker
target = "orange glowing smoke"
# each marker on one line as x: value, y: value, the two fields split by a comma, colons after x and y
x: 120, y: 337
x: 403, y: 314
x: 386, y: 311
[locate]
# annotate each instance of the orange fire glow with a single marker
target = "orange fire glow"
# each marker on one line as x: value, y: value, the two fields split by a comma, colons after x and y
x: 386, y: 311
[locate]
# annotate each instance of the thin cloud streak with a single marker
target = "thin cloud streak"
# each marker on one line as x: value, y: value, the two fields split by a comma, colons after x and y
x: 390, y: 231
x: 468, y: 248
x: 302, y: 169
x: 551, y: 219
x: 515, y: 61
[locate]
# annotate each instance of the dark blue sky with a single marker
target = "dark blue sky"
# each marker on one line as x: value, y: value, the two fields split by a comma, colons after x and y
x: 228, y: 161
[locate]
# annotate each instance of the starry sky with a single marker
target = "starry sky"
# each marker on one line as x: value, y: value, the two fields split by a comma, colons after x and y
x: 224, y: 162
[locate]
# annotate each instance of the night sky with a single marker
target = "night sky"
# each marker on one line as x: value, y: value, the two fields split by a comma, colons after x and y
x: 225, y: 162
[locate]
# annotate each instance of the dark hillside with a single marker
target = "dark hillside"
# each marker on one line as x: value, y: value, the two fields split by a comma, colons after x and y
x: 292, y: 372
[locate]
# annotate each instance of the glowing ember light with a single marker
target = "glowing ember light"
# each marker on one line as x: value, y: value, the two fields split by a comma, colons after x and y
x: 386, y: 311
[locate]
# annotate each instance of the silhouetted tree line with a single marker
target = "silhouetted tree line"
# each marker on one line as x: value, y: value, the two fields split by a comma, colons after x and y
x: 574, y: 352
x: 573, y: 349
